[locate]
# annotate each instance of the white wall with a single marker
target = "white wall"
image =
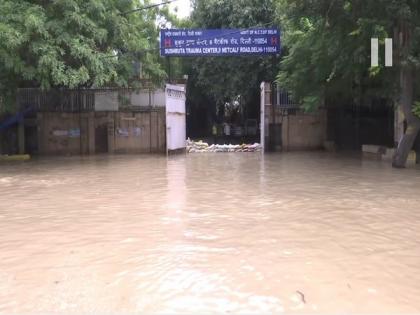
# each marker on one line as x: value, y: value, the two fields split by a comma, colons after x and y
x: 175, y: 117
x: 106, y: 100
x: 155, y: 98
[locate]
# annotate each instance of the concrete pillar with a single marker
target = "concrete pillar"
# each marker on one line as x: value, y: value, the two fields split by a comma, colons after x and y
x: 84, y: 134
x: 91, y: 132
x: 266, y: 114
x: 21, y: 136
x: 111, y: 132
x: 262, y: 115
x: 87, y: 133
x: 285, y: 133
x: 39, y: 133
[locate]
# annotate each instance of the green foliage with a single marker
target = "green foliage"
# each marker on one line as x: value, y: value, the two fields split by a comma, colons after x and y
x: 328, y: 45
x: 222, y: 79
x: 416, y: 109
x: 75, y: 43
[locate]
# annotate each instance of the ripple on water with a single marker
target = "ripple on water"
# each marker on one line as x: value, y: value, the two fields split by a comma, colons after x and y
x: 210, y: 233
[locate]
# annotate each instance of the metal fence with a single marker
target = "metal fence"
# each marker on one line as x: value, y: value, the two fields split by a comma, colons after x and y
x: 57, y: 100
x: 282, y: 98
x: 84, y: 100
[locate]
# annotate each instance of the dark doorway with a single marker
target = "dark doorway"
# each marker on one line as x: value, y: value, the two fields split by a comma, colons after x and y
x: 352, y: 126
x: 31, y: 139
x: 101, y: 139
x: 275, y: 132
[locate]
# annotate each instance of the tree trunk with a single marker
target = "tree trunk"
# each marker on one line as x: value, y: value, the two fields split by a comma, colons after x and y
x: 417, y: 148
x: 404, y: 43
x: 413, y: 123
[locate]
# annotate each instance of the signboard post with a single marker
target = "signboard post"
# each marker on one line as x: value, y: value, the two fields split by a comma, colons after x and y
x: 219, y: 42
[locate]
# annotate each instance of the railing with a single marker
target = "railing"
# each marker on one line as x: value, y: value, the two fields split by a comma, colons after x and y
x: 282, y: 98
x: 84, y: 100
x: 60, y: 100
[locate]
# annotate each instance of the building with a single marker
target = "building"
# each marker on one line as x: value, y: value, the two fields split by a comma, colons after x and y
x: 89, y: 121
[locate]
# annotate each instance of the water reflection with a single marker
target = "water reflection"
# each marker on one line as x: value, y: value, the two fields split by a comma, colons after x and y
x: 218, y: 233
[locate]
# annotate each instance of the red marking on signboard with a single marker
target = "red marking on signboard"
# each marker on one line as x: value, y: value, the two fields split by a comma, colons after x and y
x: 274, y: 41
x: 168, y: 42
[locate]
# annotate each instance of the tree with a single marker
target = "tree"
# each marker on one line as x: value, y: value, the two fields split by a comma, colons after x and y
x: 75, y: 43
x: 329, y: 47
x: 214, y: 81
x: 407, y: 30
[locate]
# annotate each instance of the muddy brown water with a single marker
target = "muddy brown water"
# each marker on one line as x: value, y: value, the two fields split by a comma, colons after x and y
x: 209, y: 233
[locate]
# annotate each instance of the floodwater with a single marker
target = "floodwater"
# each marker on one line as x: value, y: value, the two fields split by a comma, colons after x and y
x: 209, y: 233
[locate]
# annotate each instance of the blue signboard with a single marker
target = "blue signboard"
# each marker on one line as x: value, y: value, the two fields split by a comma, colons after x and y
x: 219, y: 42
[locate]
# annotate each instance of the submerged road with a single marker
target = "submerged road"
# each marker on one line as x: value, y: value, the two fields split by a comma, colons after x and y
x: 207, y: 233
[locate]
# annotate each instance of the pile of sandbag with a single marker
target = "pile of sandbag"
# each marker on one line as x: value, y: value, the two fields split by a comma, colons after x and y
x: 200, y: 147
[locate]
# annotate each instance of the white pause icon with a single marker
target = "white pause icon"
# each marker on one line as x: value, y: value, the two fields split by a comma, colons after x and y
x: 374, y: 50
